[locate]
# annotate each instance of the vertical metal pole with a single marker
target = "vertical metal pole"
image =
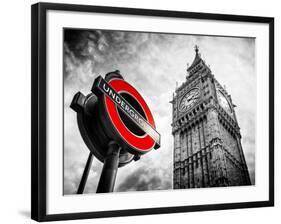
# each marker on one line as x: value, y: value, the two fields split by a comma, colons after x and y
x: 85, y: 174
x: 110, y: 168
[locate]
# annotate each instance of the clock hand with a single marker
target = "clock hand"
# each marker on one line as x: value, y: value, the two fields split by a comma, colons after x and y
x: 187, y: 102
x: 189, y: 98
x: 192, y: 98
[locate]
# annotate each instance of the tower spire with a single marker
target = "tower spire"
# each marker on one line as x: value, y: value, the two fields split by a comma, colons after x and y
x: 196, y: 49
x: 196, y: 61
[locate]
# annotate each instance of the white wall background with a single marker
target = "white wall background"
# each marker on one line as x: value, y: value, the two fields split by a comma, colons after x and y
x: 15, y: 110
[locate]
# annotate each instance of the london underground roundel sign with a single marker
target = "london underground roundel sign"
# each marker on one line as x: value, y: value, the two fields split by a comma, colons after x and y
x: 127, y: 114
x: 115, y: 111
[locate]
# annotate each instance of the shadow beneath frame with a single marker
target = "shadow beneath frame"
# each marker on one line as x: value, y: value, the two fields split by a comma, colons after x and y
x: 24, y: 213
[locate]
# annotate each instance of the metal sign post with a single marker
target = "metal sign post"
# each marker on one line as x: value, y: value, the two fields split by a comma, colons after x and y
x: 85, y: 174
x: 110, y: 168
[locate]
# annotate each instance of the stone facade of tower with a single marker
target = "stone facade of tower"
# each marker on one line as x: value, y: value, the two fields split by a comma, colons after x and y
x: 207, y: 139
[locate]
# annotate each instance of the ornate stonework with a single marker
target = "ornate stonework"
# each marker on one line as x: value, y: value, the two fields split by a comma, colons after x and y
x: 207, y: 139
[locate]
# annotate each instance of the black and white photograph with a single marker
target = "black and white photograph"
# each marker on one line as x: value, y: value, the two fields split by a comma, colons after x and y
x: 197, y: 94
x: 145, y: 111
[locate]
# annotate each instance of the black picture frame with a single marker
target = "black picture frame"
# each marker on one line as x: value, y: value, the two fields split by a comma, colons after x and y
x: 39, y: 122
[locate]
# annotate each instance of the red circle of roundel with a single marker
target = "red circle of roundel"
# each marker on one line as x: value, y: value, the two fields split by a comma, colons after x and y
x: 143, y: 143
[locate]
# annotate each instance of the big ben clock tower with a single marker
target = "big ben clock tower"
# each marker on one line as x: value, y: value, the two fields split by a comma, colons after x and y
x: 207, y: 139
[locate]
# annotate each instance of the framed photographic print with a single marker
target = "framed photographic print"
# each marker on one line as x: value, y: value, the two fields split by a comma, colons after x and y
x: 138, y: 111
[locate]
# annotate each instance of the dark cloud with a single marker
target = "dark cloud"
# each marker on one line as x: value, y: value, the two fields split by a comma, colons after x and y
x: 105, y: 50
x: 145, y: 178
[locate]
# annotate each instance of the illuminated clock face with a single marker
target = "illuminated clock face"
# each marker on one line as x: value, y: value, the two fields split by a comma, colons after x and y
x: 189, y: 99
x: 223, y: 102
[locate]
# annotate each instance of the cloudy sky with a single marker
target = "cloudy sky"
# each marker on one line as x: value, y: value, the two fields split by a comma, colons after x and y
x: 153, y: 63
